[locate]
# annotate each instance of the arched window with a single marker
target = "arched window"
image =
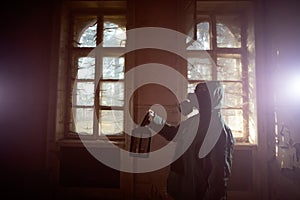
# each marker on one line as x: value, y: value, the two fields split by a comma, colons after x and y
x: 97, y: 80
x: 230, y: 61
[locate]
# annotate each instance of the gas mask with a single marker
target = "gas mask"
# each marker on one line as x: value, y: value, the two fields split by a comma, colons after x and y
x: 186, y: 106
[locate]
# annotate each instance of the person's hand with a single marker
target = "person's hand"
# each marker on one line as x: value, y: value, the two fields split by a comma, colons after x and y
x: 148, y: 118
x: 151, y: 115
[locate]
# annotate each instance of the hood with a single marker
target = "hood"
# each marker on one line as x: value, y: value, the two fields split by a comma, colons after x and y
x: 215, y: 91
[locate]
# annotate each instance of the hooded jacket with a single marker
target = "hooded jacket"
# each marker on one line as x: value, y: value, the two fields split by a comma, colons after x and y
x: 203, y: 170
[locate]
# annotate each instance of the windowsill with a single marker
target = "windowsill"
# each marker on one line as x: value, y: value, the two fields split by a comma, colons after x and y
x: 245, y: 146
x: 121, y: 140
x: 121, y: 143
x: 91, y: 143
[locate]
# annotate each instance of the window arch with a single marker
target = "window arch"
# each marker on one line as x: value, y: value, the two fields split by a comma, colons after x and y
x: 88, y: 37
x: 114, y: 34
x: 228, y: 30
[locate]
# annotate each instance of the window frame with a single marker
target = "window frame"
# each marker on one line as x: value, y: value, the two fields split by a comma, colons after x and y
x: 69, y: 53
x: 216, y: 51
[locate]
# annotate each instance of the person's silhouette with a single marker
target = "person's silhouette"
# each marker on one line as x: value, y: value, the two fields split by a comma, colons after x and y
x: 203, y: 170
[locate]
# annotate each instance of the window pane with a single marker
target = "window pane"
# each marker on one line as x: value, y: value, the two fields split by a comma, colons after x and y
x: 114, y: 32
x: 85, y: 94
x: 191, y: 87
x: 233, y: 95
x: 113, y: 68
x: 199, y: 69
x: 111, y: 122
x: 88, y: 37
x: 189, y: 37
x: 83, y: 119
x: 234, y: 119
x: 112, y: 94
x: 84, y: 31
x: 203, y: 37
x: 228, y: 32
x: 86, y: 68
x: 229, y: 68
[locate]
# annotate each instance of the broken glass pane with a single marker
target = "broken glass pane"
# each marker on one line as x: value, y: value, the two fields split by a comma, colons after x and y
x: 199, y: 69
x: 203, y: 37
x: 113, y: 68
x: 85, y: 94
x: 228, y: 32
x: 111, y: 122
x: 83, y: 119
x: 86, y: 68
x: 229, y: 68
x: 88, y: 37
x: 234, y: 119
x: 112, y: 94
x: 233, y: 95
x: 114, y: 32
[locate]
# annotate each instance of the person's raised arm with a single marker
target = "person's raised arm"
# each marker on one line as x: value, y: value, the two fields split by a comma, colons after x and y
x: 158, y: 124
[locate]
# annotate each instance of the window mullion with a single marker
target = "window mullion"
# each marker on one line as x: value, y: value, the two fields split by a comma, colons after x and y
x: 98, y: 73
x: 245, y: 79
x: 70, y: 64
x: 213, y: 30
x: 99, y: 38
